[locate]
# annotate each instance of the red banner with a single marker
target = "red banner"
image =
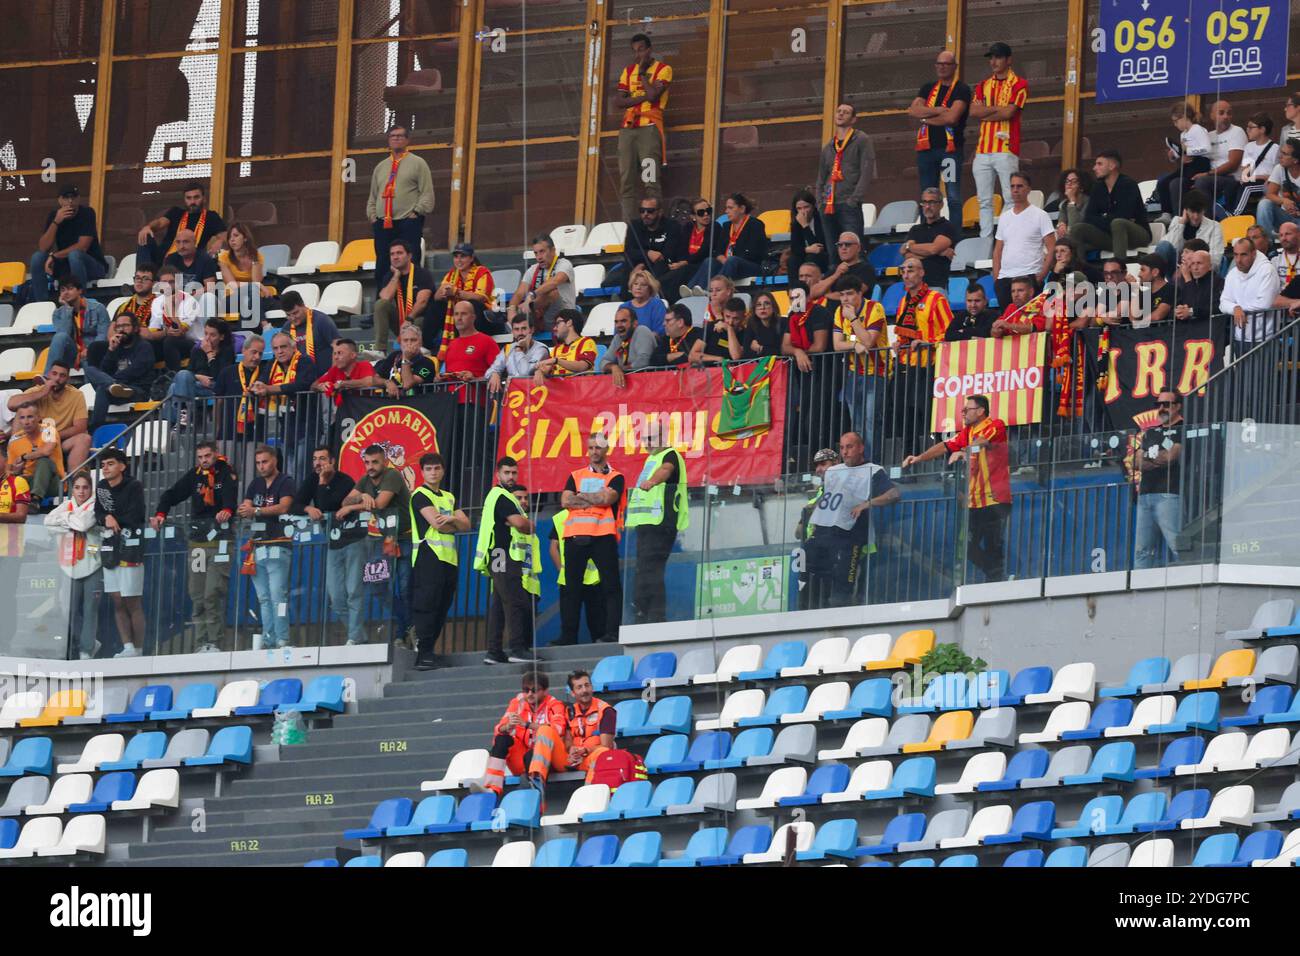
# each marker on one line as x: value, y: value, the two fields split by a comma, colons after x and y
x: 545, y: 427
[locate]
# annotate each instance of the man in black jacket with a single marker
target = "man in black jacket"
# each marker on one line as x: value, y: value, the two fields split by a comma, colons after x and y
x: 120, y: 368
x: 119, y: 510
x: 976, y: 322
x: 212, y: 490
x: 1115, y: 218
x: 1197, y: 287
x: 652, y: 242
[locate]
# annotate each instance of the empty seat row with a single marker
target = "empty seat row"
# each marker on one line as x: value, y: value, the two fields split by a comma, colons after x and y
x: 118, y: 791
x: 48, y: 837
x: 1155, y: 675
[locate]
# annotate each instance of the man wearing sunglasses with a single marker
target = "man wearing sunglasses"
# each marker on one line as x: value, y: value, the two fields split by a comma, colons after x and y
x: 1159, y: 505
x: 933, y: 240
x: 851, y: 263
x: 941, y: 108
x: 653, y: 243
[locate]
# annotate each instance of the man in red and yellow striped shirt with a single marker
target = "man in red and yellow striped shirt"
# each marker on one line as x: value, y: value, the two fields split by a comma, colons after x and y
x: 997, y: 104
x: 642, y: 95
x: 982, y: 443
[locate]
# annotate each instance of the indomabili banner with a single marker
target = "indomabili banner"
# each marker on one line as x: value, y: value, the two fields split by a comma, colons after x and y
x: 545, y: 427
x: 1009, y: 371
x: 405, y: 428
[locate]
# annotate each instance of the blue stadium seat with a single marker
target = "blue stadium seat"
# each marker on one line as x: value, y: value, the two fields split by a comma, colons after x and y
x: 784, y: 654
x: 597, y: 851
x: 609, y: 670
x: 1260, y: 845
x: 870, y: 698
x: 229, y: 745
x: 1288, y: 630
x: 991, y: 291
x: 904, y: 828
x: 651, y: 667
x: 829, y: 778
x: 435, y: 809
x: 988, y: 687
x: 519, y: 808
x: 110, y: 434
x: 283, y: 690
x: 1114, y: 761
x: 782, y: 700
x: 327, y: 862
x: 913, y: 777
x: 640, y: 849
x: 323, y: 693
x: 1033, y: 821
x: 754, y: 742
x: 667, y: 750
x: 1150, y: 670
x: 756, y: 838
x: 1024, y: 858
x: 31, y: 755
x: 1068, y: 856
x: 670, y: 715
x: 710, y: 745
x: 561, y: 851
x: 189, y: 699
x: 1097, y: 814
x: 631, y: 713
x: 9, y: 828
x: 1178, y: 752
x: 1024, y: 764
x: 1186, y: 805
x: 1217, y: 850
x: 394, y: 812
x: 1107, y: 714
x: 961, y: 860
x: 710, y: 842
x: 892, y: 297
x: 1141, y: 809
x: 1030, y: 680
x: 112, y: 786
x: 474, y: 808
x: 633, y: 795
x: 835, y: 838
x: 672, y: 792
x: 454, y: 858
x: 946, y: 692
x: 1270, y: 700
x: 957, y: 286
x: 1288, y: 716
x: 146, y: 745
x: 364, y: 862
x: 1199, y: 711
x: 144, y: 702
x: 920, y: 861
x: 888, y: 256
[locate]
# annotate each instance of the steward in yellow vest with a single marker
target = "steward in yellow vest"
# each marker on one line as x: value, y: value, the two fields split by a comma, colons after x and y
x: 435, y: 521
x: 659, y: 509
x: 507, y: 552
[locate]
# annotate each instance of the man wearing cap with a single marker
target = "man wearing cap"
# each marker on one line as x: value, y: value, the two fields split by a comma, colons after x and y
x: 468, y: 280
x: 69, y: 244
x: 997, y: 104
x: 803, y: 530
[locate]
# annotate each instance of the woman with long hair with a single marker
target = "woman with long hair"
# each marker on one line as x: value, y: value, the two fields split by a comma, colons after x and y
x: 242, y: 272
x: 763, y: 332
x: 745, y: 247
x: 807, y: 235
x: 1074, y: 186
x: 702, y: 239
x: 79, y: 559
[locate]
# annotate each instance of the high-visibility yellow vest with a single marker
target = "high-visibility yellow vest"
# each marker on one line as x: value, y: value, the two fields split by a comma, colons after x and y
x: 532, y: 576
x: 441, y: 543
x: 647, y: 507
x: 590, y: 575
x: 522, y: 548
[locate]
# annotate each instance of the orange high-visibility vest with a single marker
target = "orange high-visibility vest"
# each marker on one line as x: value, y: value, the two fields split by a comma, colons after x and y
x: 594, y: 521
x: 584, y: 725
x: 549, y: 711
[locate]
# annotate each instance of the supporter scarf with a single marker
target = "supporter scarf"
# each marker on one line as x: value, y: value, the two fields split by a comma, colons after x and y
x: 73, y: 546
x: 1069, y: 373
x: 539, y: 278
x: 79, y: 326
x: 464, y: 281
x: 695, y: 242
x: 405, y: 298
x: 923, y: 134
x: 309, y: 336
x: 281, y: 376
x: 142, y: 308
x: 246, y: 408
x: 198, y: 230
x: 905, y: 326
x: 623, y: 347
x: 208, y: 490
x: 736, y: 230
x: 798, y: 326
x: 837, y: 174
x: 1290, y: 266
x: 675, y: 345
x: 390, y: 189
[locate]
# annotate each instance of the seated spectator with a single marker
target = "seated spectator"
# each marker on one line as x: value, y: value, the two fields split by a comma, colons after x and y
x: 1074, y: 186
x: 468, y: 280
x: 849, y: 249
x: 922, y: 318
x: 1197, y: 285
x: 1023, y: 313
x: 1249, y: 290
x: 470, y: 354
x: 572, y: 353
x: 174, y: 320
x: 289, y: 372
x: 1281, y: 202
x: 1066, y: 261
x: 243, y: 273
x: 682, y: 343
x: 720, y: 291
x: 313, y: 333
x: 1153, y: 273
x: 1227, y: 150
x: 808, y: 240
x: 1260, y: 240
x: 347, y: 372
x: 1193, y: 221
x: 208, y: 227
x: 654, y: 243
x: 1291, y: 111
x: 1285, y: 264
x: 706, y: 238
x: 718, y: 336
x: 140, y: 302
x: 78, y: 324
x: 401, y: 372
x: 214, y: 354
x: 746, y: 246
x: 195, y: 268
x: 546, y: 288
x: 65, y: 407
x: 1257, y: 164
x: 406, y: 297
x: 35, y: 452
x: 631, y: 349
x: 69, y: 246
x: 1115, y: 295
x: 523, y: 356
x: 1116, y: 217
x: 976, y: 322
x: 241, y: 418
x: 120, y: 368
x: 762, y: 333
x: 1190, y: 158
x: 645, y: 301
x: 1023, y: 243
x: 808, y: 327
x: 932, y: 240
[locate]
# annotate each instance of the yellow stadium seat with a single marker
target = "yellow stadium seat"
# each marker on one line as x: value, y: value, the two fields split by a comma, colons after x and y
x: 910, y: 647
x: 144, y: 406
x: 970, y: 210
x: 12, y: 274
x: 37, y: 367
x: 1234, y: 228
x: 65, y: 703
x: 615, y: 250
x: 775, y: 221
x: 1238, y: 663
x: 782, y: 301
x: 955, y: 725
x: 354, y: 255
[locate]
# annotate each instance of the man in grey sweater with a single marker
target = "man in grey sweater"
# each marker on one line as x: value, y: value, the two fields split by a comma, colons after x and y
x: 843, y: 175
x: 631, y: 349
x: 401, y: 195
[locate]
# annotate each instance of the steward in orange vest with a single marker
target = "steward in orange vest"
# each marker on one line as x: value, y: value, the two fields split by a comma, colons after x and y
x: 590, y: 730
x: 529, y: 714
x: 594, y: 499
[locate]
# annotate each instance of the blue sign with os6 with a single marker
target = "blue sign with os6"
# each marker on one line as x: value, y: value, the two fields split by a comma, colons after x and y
x: 1152, y: 48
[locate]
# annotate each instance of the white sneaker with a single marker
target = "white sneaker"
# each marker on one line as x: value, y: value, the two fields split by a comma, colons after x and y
x: 85, y: 656
x: 700, y: 290
x: 685, y: 291
x: 208, y: 648
x: 130, y: 650
x: 352, y: 643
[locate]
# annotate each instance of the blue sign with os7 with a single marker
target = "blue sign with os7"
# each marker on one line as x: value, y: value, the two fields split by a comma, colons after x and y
x: 1167, y: 48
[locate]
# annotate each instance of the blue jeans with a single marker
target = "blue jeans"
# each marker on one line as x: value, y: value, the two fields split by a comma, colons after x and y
x: 402, y: 591
x: 344, y: 568
x: 63, y: 351
x: 1270, y: 215
x: 1159, y: 517
x: 862, y: 396
x: 409, y: 229
x: 733, y: 268
x: 184, y: 389
x: 271, y: 582
x: 84, y: 267
x: 942, y: 171
x: 847, y: 217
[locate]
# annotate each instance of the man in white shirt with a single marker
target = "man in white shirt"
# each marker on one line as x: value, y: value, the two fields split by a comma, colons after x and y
x: 1250, y: 287
x: 1025, y: 237
x: 173, y: 318
x: 1282, y: 192
x: 1227, y: 149
x: 1256, y: 164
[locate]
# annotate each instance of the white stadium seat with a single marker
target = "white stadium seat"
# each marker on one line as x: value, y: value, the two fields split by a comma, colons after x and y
x: 803, y: 833
x: 1075, y: 681
x: 83, y: 834
x: 981, y: 768
x: 823, y: 656
x: 742, y: 703
x: 38, y: 834
x: 239, y: 693
x: 339, y: 297
x: 67, y: 790
x: 467, y: 766
x: 97, y: 750
x: 29, y: 317
x: 519, y: 853
x: 589, y: 798
x: 867, y: 648
x: 311, y: 258
x: 824, y: 697
x: 743, y: 657
x: 869, y: 732
x: 786, y: 782
x: 156, y: 788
